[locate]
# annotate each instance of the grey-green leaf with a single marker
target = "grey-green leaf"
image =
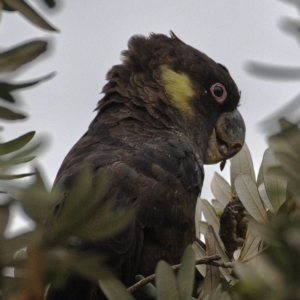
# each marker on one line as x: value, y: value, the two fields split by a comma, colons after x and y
x: 29, y: 13
x: 264, y: 197
x: 275, y: 186
x: 7, y: 88
x: 8, y: 114
x: 6, y: 164
x: 247, y: 191
x: 15, y: 176
x: 16, y: 144
x: 186, y: 274
x: 241, y: 163
x: 221, y: 189
x: 114, y: 289
x: 18, y: 56
x: 149, y: 289
x: 210, y: 215
x: 165, y: 282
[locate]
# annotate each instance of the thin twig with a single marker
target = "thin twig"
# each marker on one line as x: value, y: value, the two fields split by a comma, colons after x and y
x: 207, y: 260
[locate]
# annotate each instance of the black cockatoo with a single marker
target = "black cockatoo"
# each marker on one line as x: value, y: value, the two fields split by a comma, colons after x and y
x: 167, y: 110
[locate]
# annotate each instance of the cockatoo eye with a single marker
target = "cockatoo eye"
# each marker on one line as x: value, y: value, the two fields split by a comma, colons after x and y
x: 219, y: 92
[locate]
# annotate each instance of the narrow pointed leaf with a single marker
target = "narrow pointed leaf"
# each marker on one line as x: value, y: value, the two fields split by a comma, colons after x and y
x: 7, y: 88
x: 17, y: 143
x: 275, y: 186
x: 25, y: 152
x: 12, y: 162
x: 8, y: 114
x: 29, y: 13
x: 18, y: 56
x: 241, y: 163
x: 264, y: 197
x: 248, y: 194
x: 289, y: 164
x: 186, y: 273
x: 165, y: 282
x: 221, y: 189
x: 114, y: 289
x: 15, y: 176
x: 36, y: 200
x: 210, y: 215
x: 75, y: 200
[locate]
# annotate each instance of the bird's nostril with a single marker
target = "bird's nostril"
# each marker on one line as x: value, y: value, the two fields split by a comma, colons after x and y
x: 223, y: 149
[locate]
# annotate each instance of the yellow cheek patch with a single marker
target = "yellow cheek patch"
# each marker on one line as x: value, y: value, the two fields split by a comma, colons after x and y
x: 179, y: 87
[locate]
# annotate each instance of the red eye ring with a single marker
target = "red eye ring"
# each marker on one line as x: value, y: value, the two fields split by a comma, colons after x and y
x: 219, y: 92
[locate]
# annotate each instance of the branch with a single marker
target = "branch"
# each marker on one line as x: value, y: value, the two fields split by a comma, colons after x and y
x: 207, y: 260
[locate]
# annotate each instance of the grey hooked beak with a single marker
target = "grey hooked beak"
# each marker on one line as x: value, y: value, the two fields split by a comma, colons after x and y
x: 227, y: 138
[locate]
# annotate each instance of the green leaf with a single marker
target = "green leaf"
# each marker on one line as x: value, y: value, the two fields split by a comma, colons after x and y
x: 221, y: 189
x: 114, y: 289
x: 29, y: 13
x: 16, y: 144
x: 6, y: 164
x: 248, y: 194
x: 186, y: 274
x: 15, y: 176
x: 18, y: 56
x: 7, y: 88
x: 8, y: 114
x: 241, y: 163
x: 36, y: 201
x: 275, y: 186
x: 210, y: 215
x: 149, y: 289
x: 74, y: 201
x: 25, y: 152
x: 165, y: 282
